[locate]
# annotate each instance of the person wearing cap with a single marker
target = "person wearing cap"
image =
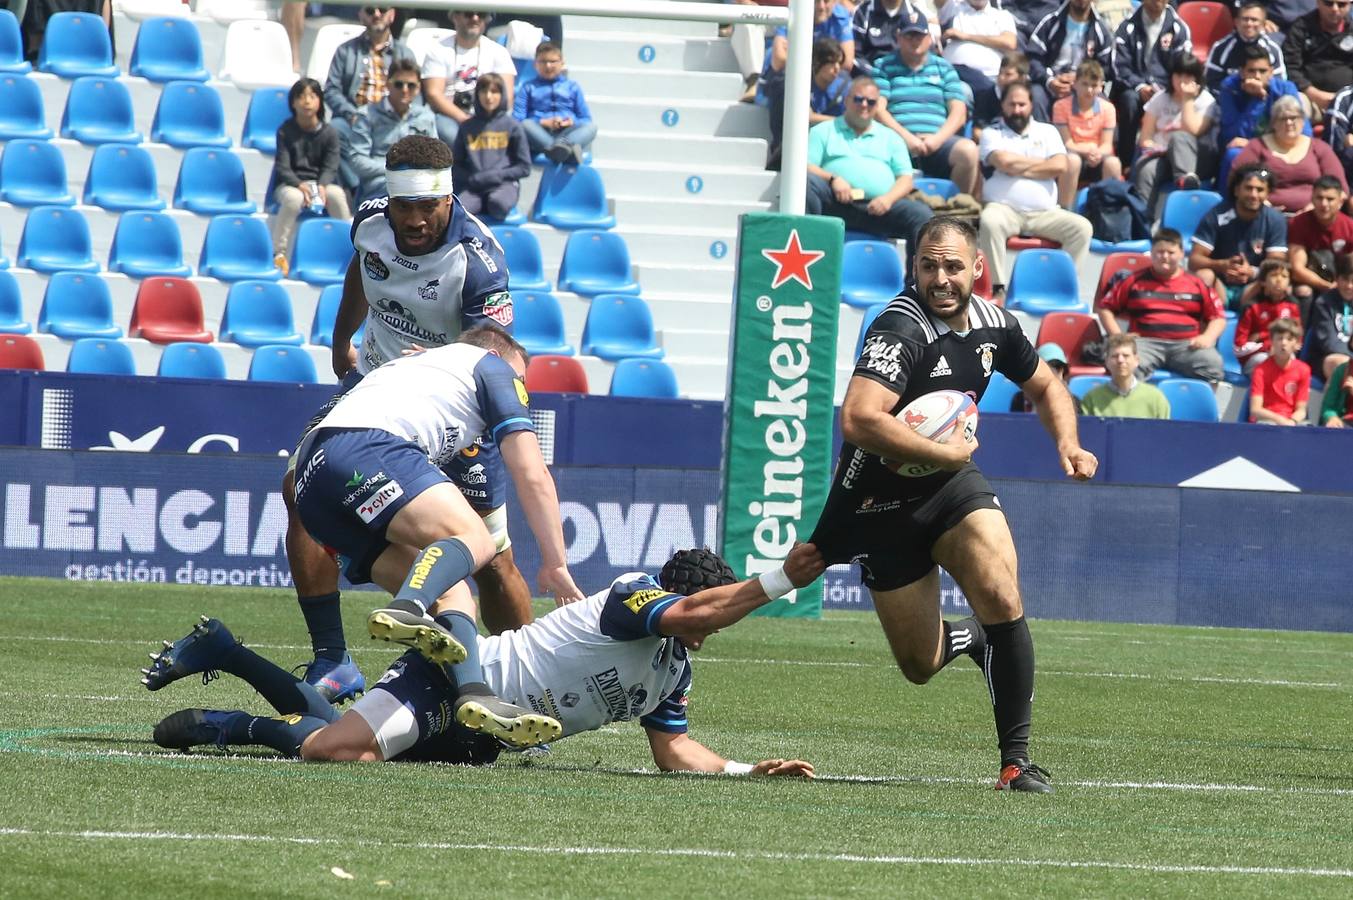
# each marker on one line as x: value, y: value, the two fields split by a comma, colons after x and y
x: 1125, y: 396
x: 452, y: 66
x: 927, y: 104
x: 1055, y: 357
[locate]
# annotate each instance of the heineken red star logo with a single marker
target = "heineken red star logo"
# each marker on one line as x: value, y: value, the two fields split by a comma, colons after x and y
x: 793, y: 262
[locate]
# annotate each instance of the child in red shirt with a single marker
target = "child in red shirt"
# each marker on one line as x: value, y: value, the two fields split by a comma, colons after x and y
x: 1281, y: 384
x: 1273, y: 303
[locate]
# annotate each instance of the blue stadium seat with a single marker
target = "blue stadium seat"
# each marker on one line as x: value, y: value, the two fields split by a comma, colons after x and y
x: 56, y: 239
x: 936, y: 187
x: 258, y: 313
x: 538, y: 323
x: 1080, y: 385
x: 76, y: 306
x: 1044, y: 281
x: 1185, y: 209
x: 189, y: 115
x: 168, y: 48
x: 33, y: 173
x: 326, y: 314
x: 147, y: 243
x: 189, y: 360
x: 211, y: 182
x: 236, y: 248
x: 1141, y: 245
x: 620, y: 326
x: 526, y: 271
x: 274, y: 362
x: 11, y: 45
x: 122, y: 177
x: 1233, y: 371
x: 514, y: 217
x: 871, y: 272
x: 22, y: 114
x: 101, y: 356
x: 1190, y: 399
x: 12, y: 319
x: 644, y: 378
x: 596, y: 262
x: 572, y: 197
x: 99, y: 111
x: 999, y: 394
x: 268, y: 109
x: 76, y: 44
x: 322, y: 252
x: 866, y: 320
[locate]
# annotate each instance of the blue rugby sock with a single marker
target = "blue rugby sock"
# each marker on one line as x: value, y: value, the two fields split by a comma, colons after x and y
x: 440, y: 566
x: 285, y: 734
x: 324, y: 621
x: 467, y: 675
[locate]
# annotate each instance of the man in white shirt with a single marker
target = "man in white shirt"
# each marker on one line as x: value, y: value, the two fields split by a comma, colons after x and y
x: 975, y: 39
x: 1022, y: 161
x: 454, y: 65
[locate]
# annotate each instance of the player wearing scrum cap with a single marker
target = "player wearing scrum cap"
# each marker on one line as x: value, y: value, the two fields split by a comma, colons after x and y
x: 938, y: 336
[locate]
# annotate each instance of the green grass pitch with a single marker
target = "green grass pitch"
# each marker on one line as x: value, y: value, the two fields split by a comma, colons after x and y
x: 1196, y: 762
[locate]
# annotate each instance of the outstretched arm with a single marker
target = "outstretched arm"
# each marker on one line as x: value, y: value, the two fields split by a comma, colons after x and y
x: 682, y: 753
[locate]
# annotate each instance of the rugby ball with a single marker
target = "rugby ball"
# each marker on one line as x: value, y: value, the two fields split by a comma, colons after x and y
x: 935, y: 416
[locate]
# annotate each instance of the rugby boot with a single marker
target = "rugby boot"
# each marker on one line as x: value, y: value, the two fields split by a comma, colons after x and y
x: 336, y: 681
x: 194, y: 728
x: 404, y: 623
x: 199, y: 651
x: 1022, y: 775
x: 516, y: 727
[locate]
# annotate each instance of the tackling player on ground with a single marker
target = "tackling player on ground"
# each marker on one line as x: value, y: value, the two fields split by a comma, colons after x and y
x: 939, y: 336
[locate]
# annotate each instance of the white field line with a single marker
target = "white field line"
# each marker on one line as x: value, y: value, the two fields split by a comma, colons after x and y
x: 698, y: 853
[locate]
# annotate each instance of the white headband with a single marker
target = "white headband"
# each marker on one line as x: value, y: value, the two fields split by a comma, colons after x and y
x: 412, y: 184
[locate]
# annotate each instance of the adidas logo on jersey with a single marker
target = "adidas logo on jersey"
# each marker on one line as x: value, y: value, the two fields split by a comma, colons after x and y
x: 941, y: 368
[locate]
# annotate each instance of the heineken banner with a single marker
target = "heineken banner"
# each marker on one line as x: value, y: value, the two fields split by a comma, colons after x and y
x: 781, y: 385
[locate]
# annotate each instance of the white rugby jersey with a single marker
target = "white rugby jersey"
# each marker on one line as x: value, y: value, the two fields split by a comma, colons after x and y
x: 597, y: 661
x: 428, y: 299
x: 440, y: 400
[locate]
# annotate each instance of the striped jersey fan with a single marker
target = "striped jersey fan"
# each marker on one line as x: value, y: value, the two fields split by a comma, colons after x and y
x: 935, y: 416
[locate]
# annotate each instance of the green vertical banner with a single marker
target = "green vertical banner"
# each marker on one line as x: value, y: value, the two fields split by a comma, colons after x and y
x: 781, y: 393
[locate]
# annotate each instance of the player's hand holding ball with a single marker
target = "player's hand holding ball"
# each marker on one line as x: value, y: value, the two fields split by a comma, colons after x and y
x: 949, y: 418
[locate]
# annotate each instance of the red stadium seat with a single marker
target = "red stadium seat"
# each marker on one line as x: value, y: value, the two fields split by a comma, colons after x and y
x: 1208, y: 23
x: 1071, y: 331
x: 18, y: 351
x: 169, y: 310
x: 556, y: 375
x: 982, y: 286
x: 1023, y: 242
x: 1116, y: 262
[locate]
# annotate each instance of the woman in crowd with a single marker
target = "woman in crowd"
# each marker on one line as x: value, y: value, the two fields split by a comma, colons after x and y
x: 1295, y: 159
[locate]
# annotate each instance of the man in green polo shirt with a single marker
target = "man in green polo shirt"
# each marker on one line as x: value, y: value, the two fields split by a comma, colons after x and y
x: 1124, y: 396
x: 860, y: 171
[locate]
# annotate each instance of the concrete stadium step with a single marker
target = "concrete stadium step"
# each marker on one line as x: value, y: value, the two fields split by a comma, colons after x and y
x: 646, y: 244
x: 685, y: 149
x: 649, y: 211
x: 669, y: 53
x: 740, y: 185
x: 721, y: 117
x: 644, y: 84
x: 611, y: 25
x: 713, y: 283
x: 700, y: 378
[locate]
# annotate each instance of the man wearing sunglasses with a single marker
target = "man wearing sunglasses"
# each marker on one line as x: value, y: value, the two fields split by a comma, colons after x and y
x: 1319, y: 53
x: 395, y: 117
x: 453, y: 66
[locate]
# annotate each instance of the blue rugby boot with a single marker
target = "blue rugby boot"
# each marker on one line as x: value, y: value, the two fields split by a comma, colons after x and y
x: 200, y: 651
x: 403, y: 622
x: 336, y: 682
x: 194, y: 728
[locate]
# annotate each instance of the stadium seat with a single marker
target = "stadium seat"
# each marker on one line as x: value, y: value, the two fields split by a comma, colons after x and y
x: 77, y: 306
x: 421, y: 40
x: 19, y: 351
x: 1044, y: 281
x: 1025, y: 242
x: 1233, y: 371
x: 999, y: 394
x: 140, y: 10
x: 33, y: 173
x: 122, y: 177
x: 1071, y: 332
x: 276, y: 362
x: 620, y: 326
x: 327, y: 40
x: 11, y: 45
x: 982, y: 285
x: 168, y: 310
x: 1115, y: 263
x: 22, y: 114
x: 258, y: 313
x: 1141, y: 245
x: 572, y: 197
x: 268, y: 109
x: 1208, y: 23
x: 644, y: 378
x: 227, y: 11
x: 326, y: 314
x: 871, y: 272
x: 147, y: 243
x: 257, y: 55
x: 538, y: 323
x: 1191, y: 400
x: 188, y: 360
x: 189, y: 115
x: 322, y: 251
x: 866, y: 320
x: 596, y: 262
x: 1185, y: 209
x: 525, y: 270
x: 1080, y: 385
x: 56, y: 239
x: 12, y: 319
x: 76, y: 44
x: 555, y: 375
x: 236, y: 248
x: 168, y: 48
x: 513, y: 218
x: 99, y: 111
x: 211, y: 182
x: 936, y: 187
x: 101, y: 356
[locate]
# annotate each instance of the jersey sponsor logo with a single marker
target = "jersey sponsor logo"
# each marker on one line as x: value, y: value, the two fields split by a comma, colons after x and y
x: 402, y: 321
x: 853, y: 468
x: 406, y: 263
x: 880, y: 356
x: 364, y: 487
x: 374, y: 267
x: 521, y: 391
x: 423, y: 567
x: 355, y: 480
x: 313, y: 465
x: 374, y: 203
x: 475, y: 475
x: 498, y: 307
x: 639, y: 599
x: 569, y: 700
x: 870, y: 505
x: 373, y: 507
x: 478, y: 247
x: 941, y: 368
x: 606, y: 685
x: 428, y: 291
x: 638, y: 697
x: 987, y: 353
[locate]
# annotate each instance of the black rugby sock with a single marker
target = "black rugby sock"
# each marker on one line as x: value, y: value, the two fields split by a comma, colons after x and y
x: 964, y: 636
x: 288, y: 694
x: 285, y: 734
x: 1010, y: 679
x: 324, y: 621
